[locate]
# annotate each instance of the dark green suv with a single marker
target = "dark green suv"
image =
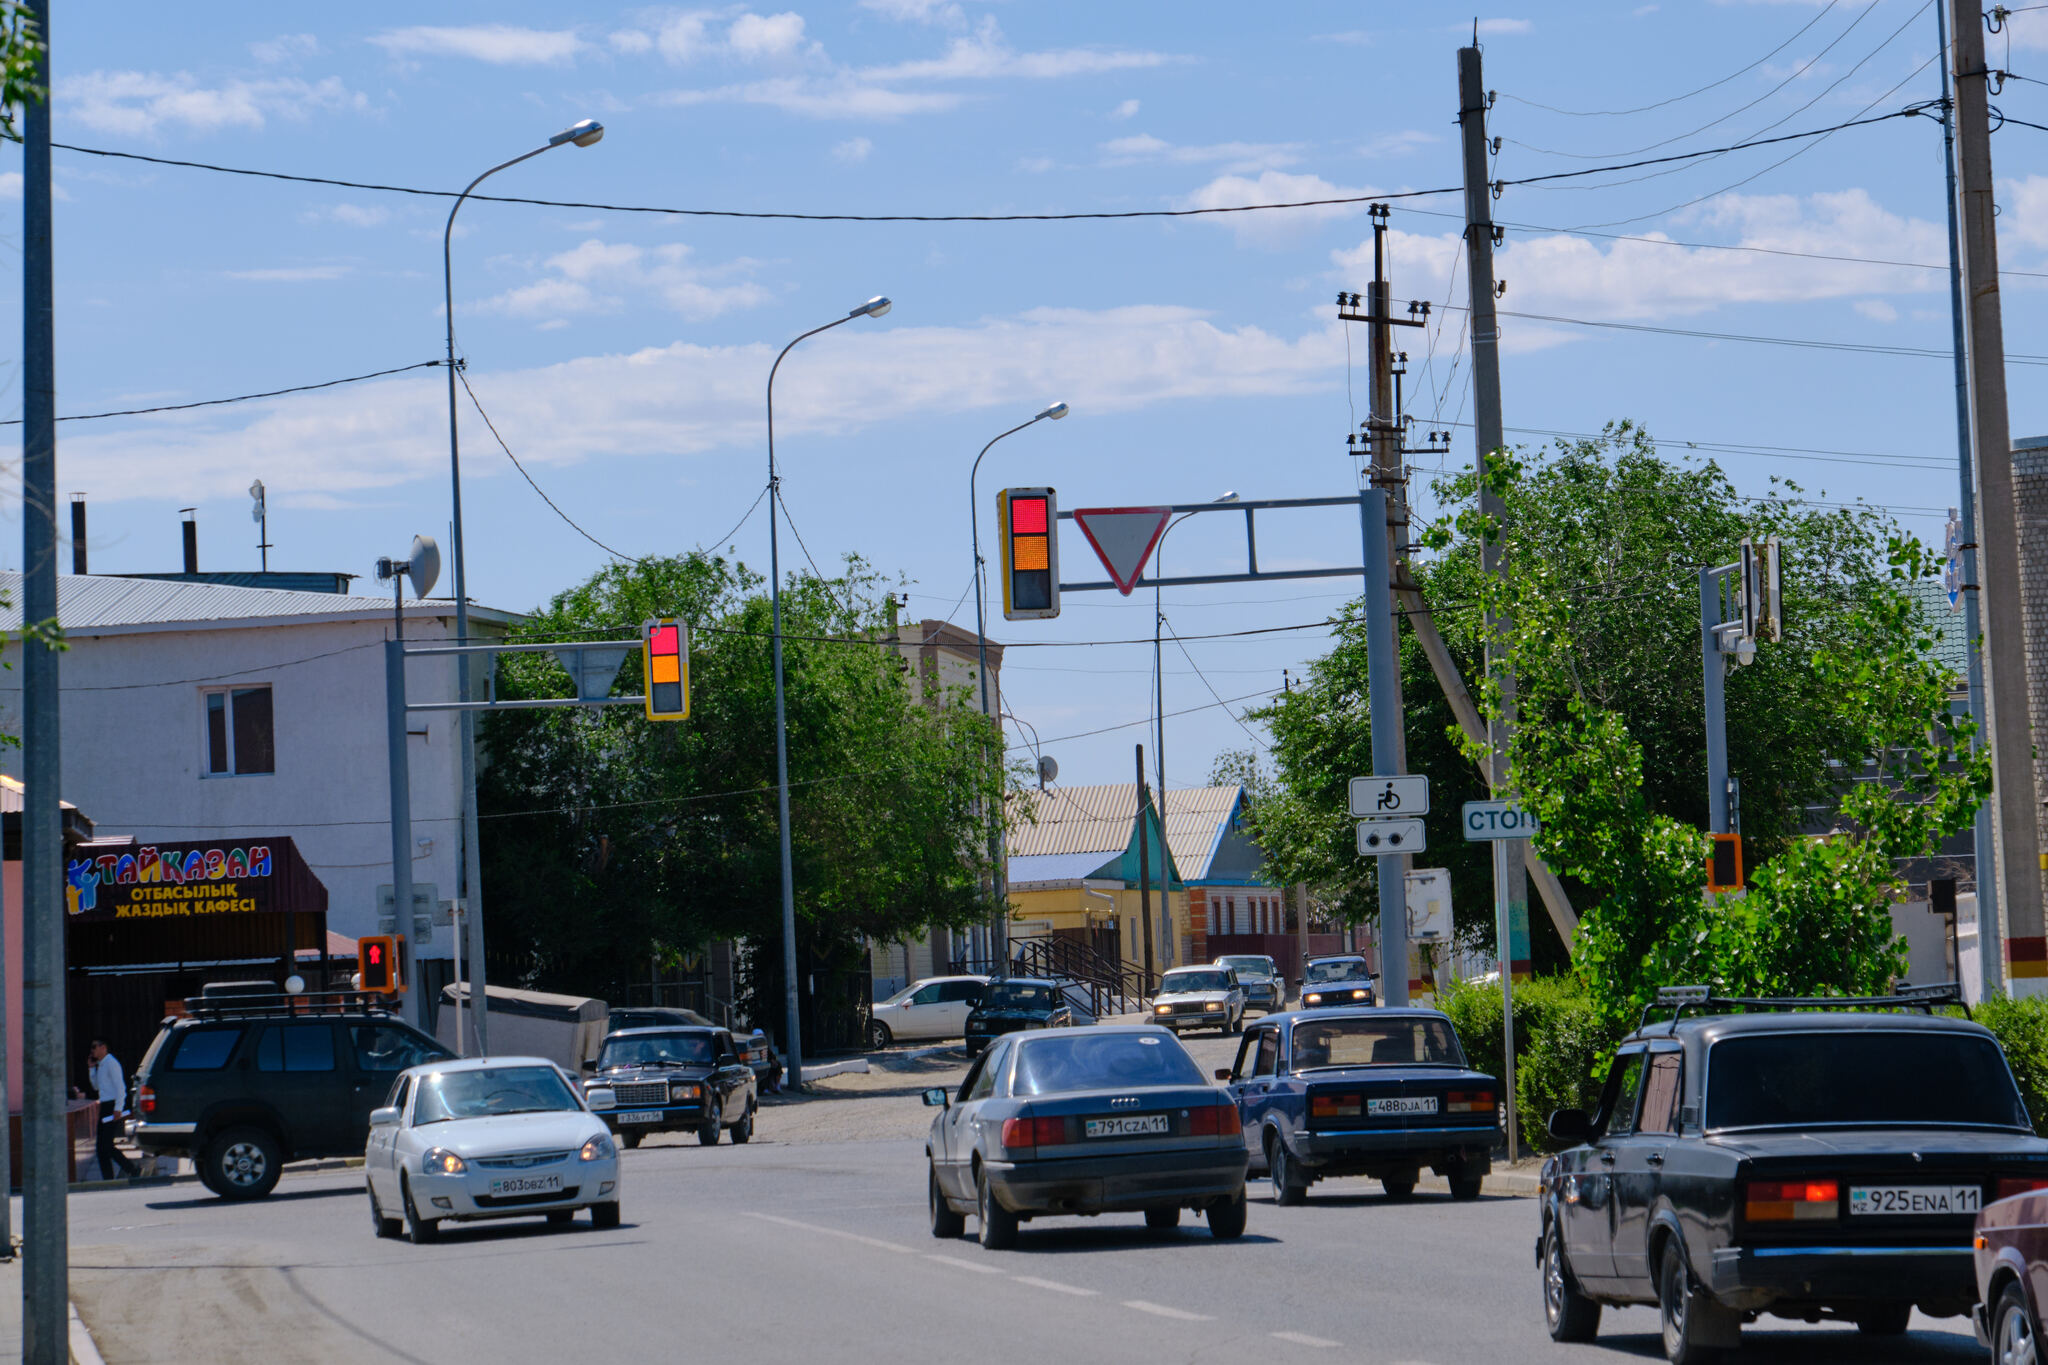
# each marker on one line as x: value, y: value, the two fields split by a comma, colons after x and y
x: 243, y: 1085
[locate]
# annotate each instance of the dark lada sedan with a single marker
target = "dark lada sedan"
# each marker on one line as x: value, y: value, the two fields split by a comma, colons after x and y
x: 1806, y: 1164
x: 1087, y: 1121
x: 1013, y: 1003
x: 667, y: 1080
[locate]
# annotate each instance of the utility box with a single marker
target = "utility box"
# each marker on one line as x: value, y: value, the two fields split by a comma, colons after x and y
x: 1429, y: 905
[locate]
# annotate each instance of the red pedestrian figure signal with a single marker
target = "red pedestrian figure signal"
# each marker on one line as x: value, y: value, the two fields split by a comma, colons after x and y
x: 665, y: 657
x: 377, y: 964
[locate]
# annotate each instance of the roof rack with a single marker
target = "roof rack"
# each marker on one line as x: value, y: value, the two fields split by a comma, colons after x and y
x: 1701, y: 999
x: 245, y: 1005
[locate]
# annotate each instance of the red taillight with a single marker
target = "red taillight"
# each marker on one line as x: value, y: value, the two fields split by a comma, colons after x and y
x: 1468, y: 1102
x: 1034, y: 1132
x: 1216, y: 1120
x: 1334, y: 1106
x: 1779, y: 1201
x: 2009, y: 1185
x: 145, y: 1100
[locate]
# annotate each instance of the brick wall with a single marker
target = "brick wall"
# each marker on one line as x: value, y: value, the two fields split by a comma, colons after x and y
x: 2030, y: 495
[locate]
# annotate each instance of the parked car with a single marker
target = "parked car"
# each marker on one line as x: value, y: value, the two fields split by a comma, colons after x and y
x: 2012, y: 1265
x: 1379, y: 1092
x: 1260, y: 978
x: 242, y: 1084
x: 1017, y: 1002
x: 1199, y: 997
x: 1327, y: 982
x: 674, y: 1080
x: 1102, y: 1120
x: 487, y: 1137
x: 1802, y: 1158
x: 755, y: 1049
x: 934, y: 1008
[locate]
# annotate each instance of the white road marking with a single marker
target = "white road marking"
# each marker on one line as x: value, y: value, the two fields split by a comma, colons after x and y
x: 959, y: 1264
x: 1055, y: 1286
x: 1162, y: 1311
x: 834, y: 1232
x: 1304, y: 1339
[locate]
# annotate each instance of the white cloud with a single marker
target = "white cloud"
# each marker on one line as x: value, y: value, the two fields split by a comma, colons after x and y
x: 853, y: 151
x: 498, y: 44
x: 839, y: 97
x: 683, y: 38
x: 1355, y: 37
x: 630, y: 41
x: 1489, y: 28
x: 2028, y: 31
x: 1124, y: 110
x: 348, y: 215
x: 918, y: 11
x: 10, y: 187
x: 289, y: 47
x: 1398, y: 144
x: 138, y: 103
x: 1877, y: 310
x: 986, y: 56
x: 2026, y: 218
x: 1036, y: 165
x: 289, y: 274
x: 1277, y: 227
x: 600, y: 277
x: 759, y: 38
x: 1236, y: 157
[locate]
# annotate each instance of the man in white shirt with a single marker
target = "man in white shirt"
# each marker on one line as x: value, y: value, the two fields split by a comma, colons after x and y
x: 111, y: 1087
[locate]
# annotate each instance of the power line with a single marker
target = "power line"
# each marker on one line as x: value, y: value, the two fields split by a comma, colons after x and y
x: 238, y: 398
x: 745, y: 517
x: 1722, y: 151
x: 1252, y: 734
x: 552, y: 505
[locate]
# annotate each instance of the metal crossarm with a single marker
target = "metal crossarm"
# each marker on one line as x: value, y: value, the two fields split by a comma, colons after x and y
x: 1252, y: 573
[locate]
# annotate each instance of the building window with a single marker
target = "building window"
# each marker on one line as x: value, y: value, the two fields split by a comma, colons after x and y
x: 238, y: 731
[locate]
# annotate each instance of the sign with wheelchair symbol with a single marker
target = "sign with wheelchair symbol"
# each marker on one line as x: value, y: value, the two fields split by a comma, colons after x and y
x: 1382, y: 798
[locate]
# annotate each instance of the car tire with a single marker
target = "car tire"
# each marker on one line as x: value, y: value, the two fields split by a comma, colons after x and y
x: 604, y: 1217
x: 244, y: 1163
x: 379, y: 1223
x: 1163, y: 1220
x: 743, y: 1131
x: 879, y: 1036
x: 1678, y: 1303
x: 1466, y: 1188
x: 1570, y: 1315
x: 561, y: 1218
x: 947, y: 1222
x: 707, y: 1132
x: 419, y: 1231
x: 1226, y: 1220
x: 998, y: 1231
x: 1289, y: 1189
x: 629, y: 1140
x: 2012, y: 1327
x: 1398, y: 1186
x: 1888, y: 1321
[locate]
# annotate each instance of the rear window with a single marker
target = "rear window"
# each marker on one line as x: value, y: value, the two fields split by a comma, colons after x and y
x: 1102, y: 1061
x: 1817, y: 1078
x: 206, y: 1049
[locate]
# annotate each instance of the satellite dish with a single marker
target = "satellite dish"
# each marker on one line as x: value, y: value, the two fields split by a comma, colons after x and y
x: 1048, y: 768
x: 424, y: 568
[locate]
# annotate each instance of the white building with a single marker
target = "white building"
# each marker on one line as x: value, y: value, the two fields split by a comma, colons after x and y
x: 195, y: 710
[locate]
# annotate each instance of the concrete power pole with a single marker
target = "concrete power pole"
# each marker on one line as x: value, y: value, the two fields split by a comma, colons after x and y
x: 1998, y: 559
x: 1510, y: 877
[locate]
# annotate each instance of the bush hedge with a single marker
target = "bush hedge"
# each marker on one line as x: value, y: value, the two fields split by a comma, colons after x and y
x: 1561, y: 1046
x: 2022, y: 1030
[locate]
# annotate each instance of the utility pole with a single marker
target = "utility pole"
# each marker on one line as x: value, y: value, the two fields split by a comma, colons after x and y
x: 2006, y: 702
x: 1144, y: 868
x: 1510, y: 874
x: 45, y: 1280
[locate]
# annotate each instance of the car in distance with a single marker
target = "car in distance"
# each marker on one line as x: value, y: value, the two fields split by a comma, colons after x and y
x: 674, y: 1080
x: 1199, y: 997
x: 933, y: 1008
x: 1327, y: 982
x: 1374, y: 1092
x: 487, y: 1137
x: 1088, y: 1121
x: 1808, y: 1159
x: 1014, y: 1003
x: 1259, y: 976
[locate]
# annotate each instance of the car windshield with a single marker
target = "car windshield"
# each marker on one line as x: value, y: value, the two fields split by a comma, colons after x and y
x: 680, y: 1049
x: 1350, y: 969
x: 1212, y: 980
x: 1248, y: 966
x: 1102, y: 1061
x: 490, y: 1091
x: 1375, y: 1042
x: 1019, y: 995
x: 1817, y: 1077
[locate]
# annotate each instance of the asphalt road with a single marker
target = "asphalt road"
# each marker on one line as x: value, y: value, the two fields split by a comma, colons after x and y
x: 819, y: 1252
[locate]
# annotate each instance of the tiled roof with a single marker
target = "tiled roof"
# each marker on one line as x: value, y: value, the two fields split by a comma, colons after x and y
x: 89, y: 602
x: 1099, y: 819
x: 1951, y: 646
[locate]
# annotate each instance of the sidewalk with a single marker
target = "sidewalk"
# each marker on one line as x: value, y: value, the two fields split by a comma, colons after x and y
x: 83, y: 1351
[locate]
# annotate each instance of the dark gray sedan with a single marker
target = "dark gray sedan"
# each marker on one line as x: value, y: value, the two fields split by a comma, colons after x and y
x: 1101, y: 1120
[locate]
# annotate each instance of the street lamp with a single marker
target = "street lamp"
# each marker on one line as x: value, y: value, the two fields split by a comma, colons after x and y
x: 792, y: 1044
x: 583, y: 134
x: 1159, y: 705
x: 999, y: 919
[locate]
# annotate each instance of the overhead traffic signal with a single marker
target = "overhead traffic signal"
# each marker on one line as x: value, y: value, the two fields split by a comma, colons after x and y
x: 1029, y: 552
x: 1724, y: 865
x: 665, y: 661
x: 377, y: 964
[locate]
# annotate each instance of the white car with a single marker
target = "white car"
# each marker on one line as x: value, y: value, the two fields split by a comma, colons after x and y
x: 1199, y: 997
x: 488, y: 1137
x: 934, y: 1008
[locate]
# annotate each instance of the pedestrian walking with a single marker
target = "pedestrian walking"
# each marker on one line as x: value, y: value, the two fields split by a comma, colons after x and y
x: 111, y: 1087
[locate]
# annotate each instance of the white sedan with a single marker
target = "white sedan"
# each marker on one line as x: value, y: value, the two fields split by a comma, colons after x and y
x: 488, y: 1137
x: 1199, y: 997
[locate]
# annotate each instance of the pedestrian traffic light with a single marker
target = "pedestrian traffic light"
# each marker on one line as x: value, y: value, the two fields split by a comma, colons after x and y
x: 1724, y: 867
x: 665, y: 662
x: 1029, y: 552
x: 377, y: 964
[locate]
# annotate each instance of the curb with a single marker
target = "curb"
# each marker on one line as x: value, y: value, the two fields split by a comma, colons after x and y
x: 84, y: 1351
x: 144, y: 1182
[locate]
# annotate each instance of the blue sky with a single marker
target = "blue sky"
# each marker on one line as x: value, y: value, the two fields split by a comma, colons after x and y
x: 622, y: 355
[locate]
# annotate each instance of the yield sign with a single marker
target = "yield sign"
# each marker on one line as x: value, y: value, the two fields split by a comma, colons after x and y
x: 1123, y: 538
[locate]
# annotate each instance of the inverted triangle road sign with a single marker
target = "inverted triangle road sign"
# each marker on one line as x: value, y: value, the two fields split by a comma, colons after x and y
x: 1123, y: 538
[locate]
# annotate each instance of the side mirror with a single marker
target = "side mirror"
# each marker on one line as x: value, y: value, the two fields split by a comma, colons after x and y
x: 1222, y: 1073
x: 1570, y: 1126
x: 590, y: 1064
x: 601, y: 1097
x: 937, y: 1098
x: 386, y: 1117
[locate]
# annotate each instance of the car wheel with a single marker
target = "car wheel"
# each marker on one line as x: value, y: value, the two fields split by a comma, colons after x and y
x: 879, y: 1036
x: 2013, y: 1339
x: 1288, y: 1188
x: 561, y: 1218
x: 743, y: 1131
x: 1466, y: 1187
x: 1569, y: 1315
x: 1162, y: 1220
x: 1398, y: 1186
x: 381, y: 1225
x: 1226, y: 1220
x: 419, y: 1231
x: 998, y: 1225
x: 1678, y: 1303
x: 1888, y: 1321
x: 947, y: 1223
x: 245, y: 1163
x: 708, y: 1133
x: 629, y: 1140
x: 604, y: 1217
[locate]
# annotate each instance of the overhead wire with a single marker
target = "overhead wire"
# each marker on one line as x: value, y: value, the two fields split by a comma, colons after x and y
x: 553, y: 506
x: 238, y: 398
x: 1252, y: 734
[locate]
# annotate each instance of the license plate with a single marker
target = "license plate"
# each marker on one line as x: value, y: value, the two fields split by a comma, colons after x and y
x: 641, y: 1116
x: 1134, y: 1125
x: 526, y: 1184
x: 1401, y: 1104
x: 1911, y: 1199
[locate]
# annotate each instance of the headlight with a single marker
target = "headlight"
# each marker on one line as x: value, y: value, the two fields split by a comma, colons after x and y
x: 681, y: 1091
x: 1162, y: 1009
x: 598, y: 1148
x: 1358, y: 995
x: 441, y: 1161
x: 1313, y: 999
x: 1213, y: 1006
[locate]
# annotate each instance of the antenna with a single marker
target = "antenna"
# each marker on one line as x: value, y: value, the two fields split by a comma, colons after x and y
x: 260, y: 514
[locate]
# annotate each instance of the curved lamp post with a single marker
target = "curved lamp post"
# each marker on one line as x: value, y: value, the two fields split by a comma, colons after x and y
x: 792, y: 1043
x: 583, y: 134
x: 999, y: 919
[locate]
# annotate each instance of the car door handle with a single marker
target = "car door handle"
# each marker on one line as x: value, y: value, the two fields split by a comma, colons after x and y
x: 1655, y: 1158
x: 1607, y: 1158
